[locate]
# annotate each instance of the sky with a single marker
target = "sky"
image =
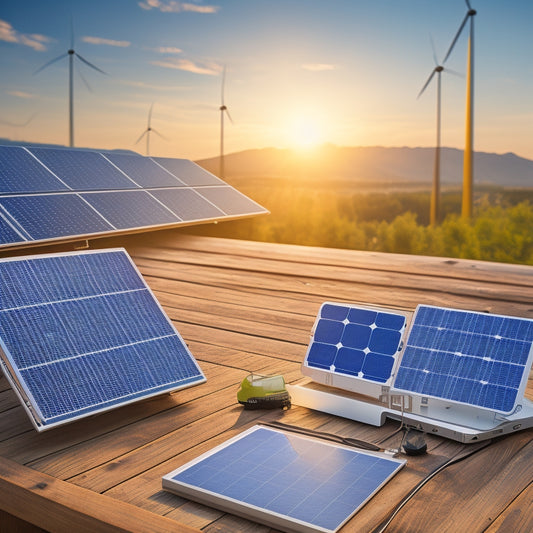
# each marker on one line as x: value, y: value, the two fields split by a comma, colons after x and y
x: 299, y: 73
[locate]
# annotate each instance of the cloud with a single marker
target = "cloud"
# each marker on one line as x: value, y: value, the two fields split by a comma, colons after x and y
x: 172, y: 6
x: 108, y: 42
x: 168, y: 50
x: 318, y: 67
x: 21, y: 94
x: 150, y: 86
x: 209, y: 69
x: 10, y: 35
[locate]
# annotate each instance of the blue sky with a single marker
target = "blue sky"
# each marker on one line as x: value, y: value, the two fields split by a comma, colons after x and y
x: 298, y: 73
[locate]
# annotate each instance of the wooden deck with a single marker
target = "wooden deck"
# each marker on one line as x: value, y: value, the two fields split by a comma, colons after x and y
x: 242, y: 307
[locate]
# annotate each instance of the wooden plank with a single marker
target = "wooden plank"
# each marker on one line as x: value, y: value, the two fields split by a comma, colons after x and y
x: 60, y: 507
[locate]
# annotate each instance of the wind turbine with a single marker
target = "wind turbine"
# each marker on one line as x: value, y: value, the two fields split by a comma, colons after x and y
x: 434, y: 212
x: 223, y: 109
x: 468, y: 159
x: 148, y: 130
x: 70, y: 54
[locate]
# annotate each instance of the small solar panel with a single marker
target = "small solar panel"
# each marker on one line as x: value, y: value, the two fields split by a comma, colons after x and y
x: 49, y: 195
x: 356, y: 341
x: 471, y: 358
x: 82, y: 333
x: 284, y: 480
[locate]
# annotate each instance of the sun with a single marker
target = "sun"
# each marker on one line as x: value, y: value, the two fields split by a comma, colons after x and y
x: 305, y: 133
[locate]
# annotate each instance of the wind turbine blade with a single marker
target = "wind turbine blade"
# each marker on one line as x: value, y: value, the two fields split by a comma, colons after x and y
x: 455, y: 38
x: 433, y: 50
x: 454, y: 72
x: 90, y: 64
x: 468, y: 5
x: 222, y: 86
x: 142, y: 135
x: 150, y: 116
x: 427, y: 83
x: 50, y: 63
x: 71, y: 32
x: 157, y: 133
x: 229, y: 116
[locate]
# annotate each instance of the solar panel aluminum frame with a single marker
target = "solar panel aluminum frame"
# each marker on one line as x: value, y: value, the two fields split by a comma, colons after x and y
x: 353, y: 383
x: 25, y: 396
x: 261, y: 514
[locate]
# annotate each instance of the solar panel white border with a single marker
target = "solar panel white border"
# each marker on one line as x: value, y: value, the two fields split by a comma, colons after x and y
x: 25, y: 239
x: 442, y: 400
x: 259, y: 513
x: 25, y: 396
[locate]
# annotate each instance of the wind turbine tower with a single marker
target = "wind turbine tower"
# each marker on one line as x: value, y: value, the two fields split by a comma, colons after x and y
x: 223, y: 110
x: 468, y: 160
x: 71, y: 53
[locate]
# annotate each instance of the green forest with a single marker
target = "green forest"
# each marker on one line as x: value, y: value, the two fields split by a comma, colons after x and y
x: 501, y: 229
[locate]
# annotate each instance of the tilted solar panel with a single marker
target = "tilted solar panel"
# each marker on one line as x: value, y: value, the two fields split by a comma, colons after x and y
x: 49, y: 195
x: 355, y: 341
x: 467, y: 357
x: 286, y: 481
x: 82, y: 333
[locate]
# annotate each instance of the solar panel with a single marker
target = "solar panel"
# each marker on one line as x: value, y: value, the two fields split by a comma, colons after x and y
x: 354, y: 341
x: 466, y: 357
x: 82, y: 333
x: 49, y: 195
x: 286, y: 481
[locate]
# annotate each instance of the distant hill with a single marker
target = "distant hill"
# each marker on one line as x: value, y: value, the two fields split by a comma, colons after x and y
x: 374, y: 164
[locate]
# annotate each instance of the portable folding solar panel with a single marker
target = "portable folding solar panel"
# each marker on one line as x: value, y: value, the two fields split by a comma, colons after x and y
x: 457, y: 373
x: 50, y: 195
x: 82, y: 333
x: 286, y: 481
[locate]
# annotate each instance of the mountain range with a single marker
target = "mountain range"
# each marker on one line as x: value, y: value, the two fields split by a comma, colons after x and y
x: 374, y: 164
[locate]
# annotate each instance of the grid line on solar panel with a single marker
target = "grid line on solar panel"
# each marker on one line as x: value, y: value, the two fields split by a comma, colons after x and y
x: 83, y: 332
x: 467, y: 357
x: 356, y: 341
x: 294, y: 478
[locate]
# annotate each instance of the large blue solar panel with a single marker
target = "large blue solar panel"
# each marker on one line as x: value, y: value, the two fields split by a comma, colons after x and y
x: 286, y: 481
x: 130, y: 209
x: 83, y: 170
x: 49, y: 195
x: 82, y: 333
x: 21, y: 172
x: 143, y: 170
x: 188, y: 172
x: 467, y: 357
x: 356, y: 341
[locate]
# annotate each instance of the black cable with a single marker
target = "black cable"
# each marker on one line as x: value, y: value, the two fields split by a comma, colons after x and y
x: 472, y: 449
x: 327, y: 436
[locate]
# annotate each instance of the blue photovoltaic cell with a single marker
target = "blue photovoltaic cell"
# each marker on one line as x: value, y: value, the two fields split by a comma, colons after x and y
x: 187, y: 204
x: 472, y: 358
x: 188, y: 172
x: 21, y: 172
x: 230, y: 200
x: 72, y: 166
x: 143, y: 171
x: 130, y: 209
x: 8, y: 234
x: 54, y: 215
x: 83, y: 333
x: 356, y: 341
x: 285, y: 480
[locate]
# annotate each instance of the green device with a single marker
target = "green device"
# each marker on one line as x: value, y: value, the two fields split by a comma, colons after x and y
x: 263, y: 392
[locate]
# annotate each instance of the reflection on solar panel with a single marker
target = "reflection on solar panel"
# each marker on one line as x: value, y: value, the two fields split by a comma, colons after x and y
x: 355, y: 341
x: 82, y: 333
x: 49, y: 195
x: 471, y: 358
x: 283, y: 480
